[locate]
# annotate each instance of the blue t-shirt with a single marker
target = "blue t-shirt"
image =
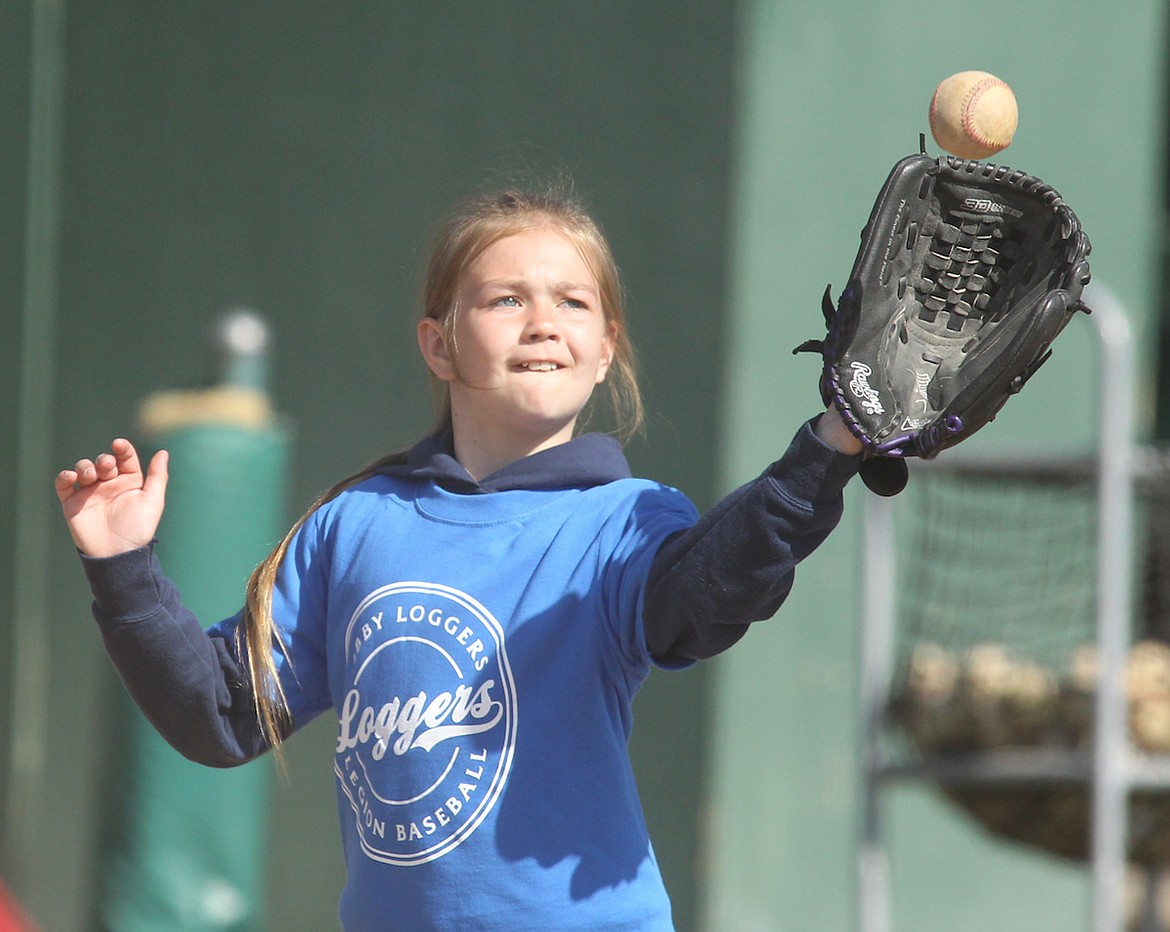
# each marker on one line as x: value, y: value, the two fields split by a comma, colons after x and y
x: 481, y: 653
x: 480, y: 644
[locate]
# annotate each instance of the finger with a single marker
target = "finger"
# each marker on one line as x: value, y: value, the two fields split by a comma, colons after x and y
x: 65, y: 484
x: 105, y: 466
x: 126, y: 455
x: 86, y: 473
x: 155, y: 484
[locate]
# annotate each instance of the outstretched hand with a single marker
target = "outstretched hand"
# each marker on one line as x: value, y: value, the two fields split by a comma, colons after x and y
x: 110, y: 505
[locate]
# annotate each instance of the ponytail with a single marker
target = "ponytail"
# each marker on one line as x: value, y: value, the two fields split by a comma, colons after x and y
x: 257, y: 637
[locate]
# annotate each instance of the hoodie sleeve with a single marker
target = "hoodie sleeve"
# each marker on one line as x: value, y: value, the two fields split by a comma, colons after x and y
x: 736, y: 565
x: 188, y: 683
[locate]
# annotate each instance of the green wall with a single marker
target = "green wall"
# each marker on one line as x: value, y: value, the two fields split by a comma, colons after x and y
x: 14, y: 78
x: 291, y: 156
x: 832, y: 95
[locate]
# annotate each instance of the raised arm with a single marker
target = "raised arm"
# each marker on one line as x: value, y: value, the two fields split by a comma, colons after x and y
x: 189, y: 684
x: 110, y: 505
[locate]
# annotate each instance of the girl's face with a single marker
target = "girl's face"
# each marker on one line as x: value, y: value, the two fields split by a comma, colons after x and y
x: 531, y: 341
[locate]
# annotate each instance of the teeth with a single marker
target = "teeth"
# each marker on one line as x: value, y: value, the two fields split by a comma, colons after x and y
x: 541, y: 366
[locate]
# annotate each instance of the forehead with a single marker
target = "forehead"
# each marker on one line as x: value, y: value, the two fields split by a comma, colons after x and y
x: 544, y: 252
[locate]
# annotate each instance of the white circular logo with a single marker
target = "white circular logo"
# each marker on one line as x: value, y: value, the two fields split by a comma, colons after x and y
x: 427, y: 727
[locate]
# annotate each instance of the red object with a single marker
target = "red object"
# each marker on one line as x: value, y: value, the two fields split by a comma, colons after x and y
x: 12, y: 917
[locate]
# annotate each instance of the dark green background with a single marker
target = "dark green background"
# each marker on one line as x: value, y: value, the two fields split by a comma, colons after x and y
x: 291, y: 157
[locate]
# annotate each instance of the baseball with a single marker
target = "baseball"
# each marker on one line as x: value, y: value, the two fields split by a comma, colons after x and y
x: 973, y: 115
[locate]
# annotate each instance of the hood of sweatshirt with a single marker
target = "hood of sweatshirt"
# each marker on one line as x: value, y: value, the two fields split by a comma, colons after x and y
x: 583, y: 462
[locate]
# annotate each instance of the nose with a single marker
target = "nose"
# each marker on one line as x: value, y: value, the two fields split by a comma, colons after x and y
x: 542, y: 323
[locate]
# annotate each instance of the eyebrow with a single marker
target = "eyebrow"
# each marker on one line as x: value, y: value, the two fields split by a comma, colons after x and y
x: 521, y: 285
x: 574, y: 286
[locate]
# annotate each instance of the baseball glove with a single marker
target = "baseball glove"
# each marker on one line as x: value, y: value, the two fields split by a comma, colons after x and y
x: 966, y: 273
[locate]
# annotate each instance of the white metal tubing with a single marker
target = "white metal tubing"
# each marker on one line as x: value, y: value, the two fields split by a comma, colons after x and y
x: 877, y: 663
x: 1110, y: 803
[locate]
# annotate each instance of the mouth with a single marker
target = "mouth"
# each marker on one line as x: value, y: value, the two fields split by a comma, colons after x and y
x: 542, y: 366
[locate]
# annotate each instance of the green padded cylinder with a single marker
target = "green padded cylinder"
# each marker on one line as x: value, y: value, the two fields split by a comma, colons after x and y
x: 188, y: 851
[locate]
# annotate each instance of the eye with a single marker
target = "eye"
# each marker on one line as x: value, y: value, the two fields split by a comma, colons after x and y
x: 505, y: 301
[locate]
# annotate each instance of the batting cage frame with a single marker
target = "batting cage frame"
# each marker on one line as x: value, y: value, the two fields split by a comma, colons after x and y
x: 1104, y: 771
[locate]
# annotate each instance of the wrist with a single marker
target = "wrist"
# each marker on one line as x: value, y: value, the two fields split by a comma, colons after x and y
x: 832, y: 430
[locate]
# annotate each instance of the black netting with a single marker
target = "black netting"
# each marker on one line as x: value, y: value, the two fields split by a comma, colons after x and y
x: 996, y: 632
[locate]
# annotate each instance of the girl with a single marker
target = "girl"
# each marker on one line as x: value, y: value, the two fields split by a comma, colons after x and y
x: 478, y: 612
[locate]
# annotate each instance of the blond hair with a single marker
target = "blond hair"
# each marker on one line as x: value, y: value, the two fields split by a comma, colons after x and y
x: 468, y: 231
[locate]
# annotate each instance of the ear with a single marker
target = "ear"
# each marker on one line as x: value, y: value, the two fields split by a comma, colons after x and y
x: 608, y: 343
x: 433, y: 346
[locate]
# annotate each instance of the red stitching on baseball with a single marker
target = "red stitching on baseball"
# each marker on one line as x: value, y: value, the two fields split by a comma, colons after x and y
x: 969, y: 103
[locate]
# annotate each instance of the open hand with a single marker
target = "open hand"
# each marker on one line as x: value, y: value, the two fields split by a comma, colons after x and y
x: 110, y: 505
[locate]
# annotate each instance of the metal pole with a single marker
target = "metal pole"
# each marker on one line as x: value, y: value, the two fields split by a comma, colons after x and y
x: 877, y: 661
x: 1111, y: 774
